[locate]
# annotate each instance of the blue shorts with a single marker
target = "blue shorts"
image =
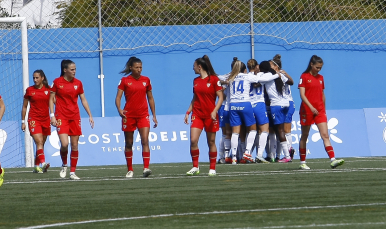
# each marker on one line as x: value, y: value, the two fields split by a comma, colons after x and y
x: 260, y: 113
x: 224, y: 116
x: 278, y: 114
x: 241, y: 113
x: 291, y: 111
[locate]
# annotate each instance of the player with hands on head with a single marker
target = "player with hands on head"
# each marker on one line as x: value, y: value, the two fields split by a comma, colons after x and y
x: 38, y: 97
x: 135, y: 115
x: 313, y: 110
x: 65, y: 92
x: 206, y: 88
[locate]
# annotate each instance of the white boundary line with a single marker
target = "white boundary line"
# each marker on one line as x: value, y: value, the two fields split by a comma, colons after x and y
x: 183, y: 176
x: 322, y: 225
x: 219, y: 213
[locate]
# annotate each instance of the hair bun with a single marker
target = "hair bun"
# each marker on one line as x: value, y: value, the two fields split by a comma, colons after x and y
x: 235, y: 58
x: 277, y: 57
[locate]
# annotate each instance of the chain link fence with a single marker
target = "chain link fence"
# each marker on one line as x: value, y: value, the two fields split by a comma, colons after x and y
x: 70, y: 28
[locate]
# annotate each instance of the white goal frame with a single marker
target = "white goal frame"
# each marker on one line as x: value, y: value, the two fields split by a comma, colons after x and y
x: 29, y: 155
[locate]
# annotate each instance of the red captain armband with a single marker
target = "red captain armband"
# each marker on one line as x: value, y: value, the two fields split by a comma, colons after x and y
x: 188, y: 112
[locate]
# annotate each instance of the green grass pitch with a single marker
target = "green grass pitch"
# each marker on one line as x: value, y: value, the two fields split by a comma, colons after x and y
x: 240, y: 196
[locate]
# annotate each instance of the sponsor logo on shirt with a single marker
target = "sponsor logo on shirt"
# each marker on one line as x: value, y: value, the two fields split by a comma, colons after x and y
x: 208, y: 84
x: 144, y: 84
x: 46, y: 92
x: 234, y: 108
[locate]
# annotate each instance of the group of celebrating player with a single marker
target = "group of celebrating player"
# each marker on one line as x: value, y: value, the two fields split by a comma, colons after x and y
x: 250, y: 107
x: 261, y: 97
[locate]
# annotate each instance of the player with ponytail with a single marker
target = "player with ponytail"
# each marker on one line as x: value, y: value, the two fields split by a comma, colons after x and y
x: 206, y: 88
x: 313, y: 110
x: 135, y: 115
x: 38, y: 97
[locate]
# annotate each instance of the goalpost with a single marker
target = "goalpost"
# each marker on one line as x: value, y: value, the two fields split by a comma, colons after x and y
x: 16, y: 149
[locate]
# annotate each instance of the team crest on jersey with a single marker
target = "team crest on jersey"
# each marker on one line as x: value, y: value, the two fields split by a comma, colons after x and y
x: 129, y: 84
x: 61, y: 86
x: 208, y: 84
x: 46, y: 92
x: 144, y: 83
x: 76, y: 87
x: 33, y: 93
x: 309, y: 81
x: 320, y: 81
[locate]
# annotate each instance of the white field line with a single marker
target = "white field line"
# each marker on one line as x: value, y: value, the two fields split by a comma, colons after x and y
x: 217, y: 213
x: 183, y: 176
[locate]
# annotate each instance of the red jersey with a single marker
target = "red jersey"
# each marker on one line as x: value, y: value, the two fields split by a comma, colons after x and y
x: 38, y: 100
x: 314, y: 86
x: 135, y: 94
x: 67, y: 93
x: 205, y: 91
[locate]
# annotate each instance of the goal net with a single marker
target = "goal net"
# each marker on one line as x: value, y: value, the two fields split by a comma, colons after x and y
x: 13, y: 82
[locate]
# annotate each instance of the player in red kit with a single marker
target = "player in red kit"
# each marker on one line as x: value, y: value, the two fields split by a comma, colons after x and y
x: 2, y: 110
x: 38, y: 97
x: 313, y: 110
x: 65, y: 91
x: 135, y: 114
x: 206, y: 88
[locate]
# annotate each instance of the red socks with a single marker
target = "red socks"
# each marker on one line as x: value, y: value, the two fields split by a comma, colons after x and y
x: 129, y: 160
x: 302, y: 153
x: 74, y: 160
x: 63, y: 155
x: 39, y: 157
x: 195, y: 154
x: 212, y: 160
x: 330, y: 151
x: 146, y: 159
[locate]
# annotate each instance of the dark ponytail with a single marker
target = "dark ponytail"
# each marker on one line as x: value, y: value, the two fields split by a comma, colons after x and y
x: 205, y: 63
x: 265, y: 67
x: 63, y: 65
x: 314, y: 60
x: 129, y: 64
x: 41, y: 73
x: 277, y: 61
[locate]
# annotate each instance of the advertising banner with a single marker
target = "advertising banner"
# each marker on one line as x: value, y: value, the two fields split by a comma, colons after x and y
x: 376, y: 129
x: 169, y: 142
x: 347, y: 131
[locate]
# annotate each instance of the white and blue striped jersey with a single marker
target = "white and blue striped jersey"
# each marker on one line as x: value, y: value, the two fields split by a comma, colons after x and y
x: 241, y: 86
x: 226, y: 100
x: 274, y: 97
x: 256, y: 94
x: 287, y: 92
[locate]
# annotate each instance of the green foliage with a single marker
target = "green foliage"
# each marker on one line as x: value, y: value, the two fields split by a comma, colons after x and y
x: 122, y: 13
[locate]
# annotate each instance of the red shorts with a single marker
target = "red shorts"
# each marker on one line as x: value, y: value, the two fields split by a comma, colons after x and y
x: 70, y: 127
x: 209, y: 124
x: 309, y: 119
x: 130, y: 124
x: 39, y: 127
